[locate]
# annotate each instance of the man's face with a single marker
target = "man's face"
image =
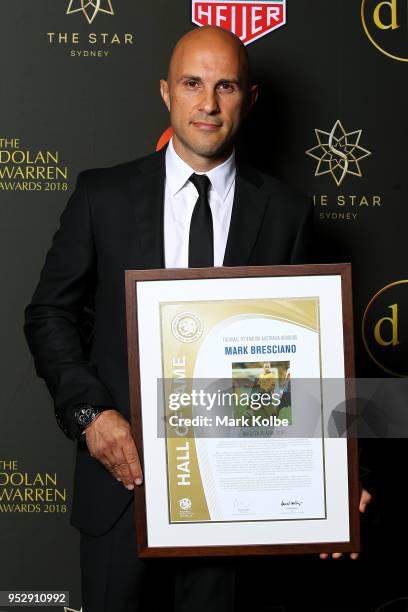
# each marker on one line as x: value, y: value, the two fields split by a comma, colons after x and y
x: 207, y: 96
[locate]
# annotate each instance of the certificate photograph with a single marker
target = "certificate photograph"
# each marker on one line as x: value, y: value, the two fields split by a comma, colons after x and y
x: 230, y: 379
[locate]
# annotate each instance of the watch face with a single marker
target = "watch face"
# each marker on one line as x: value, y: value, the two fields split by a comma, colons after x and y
x: 85, y: 415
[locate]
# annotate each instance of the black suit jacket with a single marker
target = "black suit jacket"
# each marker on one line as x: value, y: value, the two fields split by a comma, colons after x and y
x: 114, y: 222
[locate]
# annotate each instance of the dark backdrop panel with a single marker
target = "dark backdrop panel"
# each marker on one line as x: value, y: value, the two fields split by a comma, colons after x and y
x: 64, y: 109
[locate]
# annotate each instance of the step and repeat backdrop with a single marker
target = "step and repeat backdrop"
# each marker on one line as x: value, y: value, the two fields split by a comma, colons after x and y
x: 80, y: 89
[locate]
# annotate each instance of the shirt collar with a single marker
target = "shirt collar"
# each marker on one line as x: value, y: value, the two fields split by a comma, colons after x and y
x: 178, y: 173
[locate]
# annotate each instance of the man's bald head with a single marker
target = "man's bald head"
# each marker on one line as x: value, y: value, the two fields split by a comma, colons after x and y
x: 208, y: 93
x: 212, y: 37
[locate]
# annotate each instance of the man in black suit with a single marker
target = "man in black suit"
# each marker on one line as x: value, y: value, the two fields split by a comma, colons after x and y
x: 140, y: 215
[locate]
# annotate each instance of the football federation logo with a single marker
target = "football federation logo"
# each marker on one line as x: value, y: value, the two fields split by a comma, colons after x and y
x: 90, y: 8
x: 187, y: 327
x: 248, y: 20
x: 338, y: 153
x: 185, y: 503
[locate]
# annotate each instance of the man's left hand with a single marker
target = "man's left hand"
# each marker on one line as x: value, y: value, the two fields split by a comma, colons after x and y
x: 365, y: 499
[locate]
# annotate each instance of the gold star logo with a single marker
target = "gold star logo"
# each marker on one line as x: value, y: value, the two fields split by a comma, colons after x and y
x: 72, y: 610
x: 90, y: 8
x: 338, y: 153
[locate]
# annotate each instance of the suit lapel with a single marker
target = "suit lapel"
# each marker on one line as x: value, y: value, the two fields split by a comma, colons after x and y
x: 247, y: 213
x: 147, y: 188
x: 147, y: 191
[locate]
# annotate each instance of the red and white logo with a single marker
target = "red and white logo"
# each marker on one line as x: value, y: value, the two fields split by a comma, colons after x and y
x: 248, y: 20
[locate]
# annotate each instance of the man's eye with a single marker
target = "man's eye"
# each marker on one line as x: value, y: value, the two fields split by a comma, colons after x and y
x: 226, y: 86
x: 191, y: 84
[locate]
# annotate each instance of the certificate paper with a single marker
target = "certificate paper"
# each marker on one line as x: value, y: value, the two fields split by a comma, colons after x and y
x: 256, y: 341
x: 258, y: 484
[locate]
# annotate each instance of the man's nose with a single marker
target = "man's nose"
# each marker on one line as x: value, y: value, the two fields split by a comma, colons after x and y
x: 209, y: 102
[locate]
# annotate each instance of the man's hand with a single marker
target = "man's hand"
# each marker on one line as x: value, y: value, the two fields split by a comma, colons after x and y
x: 109, y: 439
x: 365, y: 499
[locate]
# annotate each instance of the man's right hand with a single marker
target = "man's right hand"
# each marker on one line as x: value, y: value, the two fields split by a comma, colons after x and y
x: 109, y: 439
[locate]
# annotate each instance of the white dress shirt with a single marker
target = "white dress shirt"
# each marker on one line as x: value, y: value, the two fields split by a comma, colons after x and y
x: 179, y: 201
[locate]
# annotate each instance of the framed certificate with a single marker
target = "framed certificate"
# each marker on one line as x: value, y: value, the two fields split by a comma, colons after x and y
x: 234, y: 376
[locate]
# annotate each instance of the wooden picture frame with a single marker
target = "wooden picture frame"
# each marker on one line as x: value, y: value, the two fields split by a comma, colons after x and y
x: 306, y: 275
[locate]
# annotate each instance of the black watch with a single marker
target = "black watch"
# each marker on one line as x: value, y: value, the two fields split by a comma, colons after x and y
x: 85, y: 414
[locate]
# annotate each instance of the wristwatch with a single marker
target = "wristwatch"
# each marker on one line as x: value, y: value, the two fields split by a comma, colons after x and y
x: 85, y: 414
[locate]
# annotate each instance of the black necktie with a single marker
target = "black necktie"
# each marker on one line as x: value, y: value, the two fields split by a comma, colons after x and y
x: 201, y: 241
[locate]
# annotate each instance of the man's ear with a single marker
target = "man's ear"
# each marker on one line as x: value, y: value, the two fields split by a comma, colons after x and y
x: 165, y: 94
x: 252, y: 97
